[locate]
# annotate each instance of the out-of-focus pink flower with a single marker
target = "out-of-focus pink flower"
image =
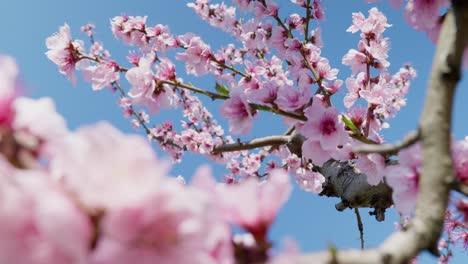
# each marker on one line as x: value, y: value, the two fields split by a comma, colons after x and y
x: 100, y: 166
x: 423, y: 15
x: 460, y: 160
x: 174, y: 219
x: 63, y: 52
x: 38, y: 220
x: 38, y: 120
x: 8, y: 89
x: 251, y: 204
x: 238, y: 112
x: 404, y: 178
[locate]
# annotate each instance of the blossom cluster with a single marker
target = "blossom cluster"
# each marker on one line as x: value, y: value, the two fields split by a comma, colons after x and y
x: 87, y: 196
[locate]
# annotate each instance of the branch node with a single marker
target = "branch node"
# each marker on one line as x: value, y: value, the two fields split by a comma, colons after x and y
x: 391, y: 149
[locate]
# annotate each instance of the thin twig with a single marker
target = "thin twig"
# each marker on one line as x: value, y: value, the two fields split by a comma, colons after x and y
x: 390, y: 149
x: 360, y: 227
x: 460, y: 187
x: 256, y: 143
x: 306, y: 28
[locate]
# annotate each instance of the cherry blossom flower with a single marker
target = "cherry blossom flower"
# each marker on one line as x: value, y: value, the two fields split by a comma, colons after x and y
x: 238, y: 112
x: 8, y: 89
x: 292, y: 98
x: 196, y: 56
x: 404, y: 178
x: 63, y: 52
x: 131, y: 29
x: 324, y: 131
x: 373, y: 166
x: 39, y: 123
x: 144, y: 89
x: 217, y: 15
x: 98, y: 164
x: 38, y: 220
x: 101, y: 75
x: 460, y: 160
x: 422, y: 14
x: 259, y: 203
x: 174, y: 219
x: 309, y: 180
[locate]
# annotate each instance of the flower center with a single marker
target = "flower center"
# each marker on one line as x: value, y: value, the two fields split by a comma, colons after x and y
x: 328, y: 126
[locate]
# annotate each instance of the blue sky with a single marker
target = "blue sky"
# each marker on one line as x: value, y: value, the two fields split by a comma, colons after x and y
x: 310, y: 220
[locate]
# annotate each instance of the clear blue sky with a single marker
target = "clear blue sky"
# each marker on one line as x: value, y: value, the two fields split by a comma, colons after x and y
x: 310, y: 220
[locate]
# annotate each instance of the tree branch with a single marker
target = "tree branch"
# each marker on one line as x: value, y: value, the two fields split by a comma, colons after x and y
x: 424, y: 230
x: 460, y: 187
x: 342, y: 180
x: 255, y: 143
x: 360, y: 227
x: 391, y: 149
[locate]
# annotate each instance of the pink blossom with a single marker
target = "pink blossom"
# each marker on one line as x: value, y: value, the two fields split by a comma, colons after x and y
x: 160, y: 37
x: 460, y: 160
x: 308, y: 180
x: 217, y: 15
x: 238, y: 112
x: 318, y: 10
x: 174, y: 219
x: 301, y: 3
x: 254, y: 34
x: 325, y: 127
x: 253, y: 205
x: 131, y: 29
x: 316, y: 37
x: 100, y: 166
x: 144, y: 89
x: 262, y: 11
x: 101, y: 75
x: 404, y: 178
x: 8, y: 86
x: 333, y: 87
x: 196, y: 56
x: 244, y: 5
x: 325, y: 71
x: 296, y: 22
x: 373, y: 166
x: 292, y: 98
x: 356, y: 60
x: 38, y: 121
x: 63, y: 52
x: 423, y: 15
x: 373, y: 26
x: 38, y: 220
x: 312, y: 149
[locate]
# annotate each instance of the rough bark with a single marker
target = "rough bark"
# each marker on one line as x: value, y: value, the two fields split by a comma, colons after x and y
x: 345, y: 182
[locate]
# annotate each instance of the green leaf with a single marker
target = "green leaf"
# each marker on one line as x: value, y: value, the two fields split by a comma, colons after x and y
x: 350, y: 124
x: 263, y: 108
x: 221, y: 89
